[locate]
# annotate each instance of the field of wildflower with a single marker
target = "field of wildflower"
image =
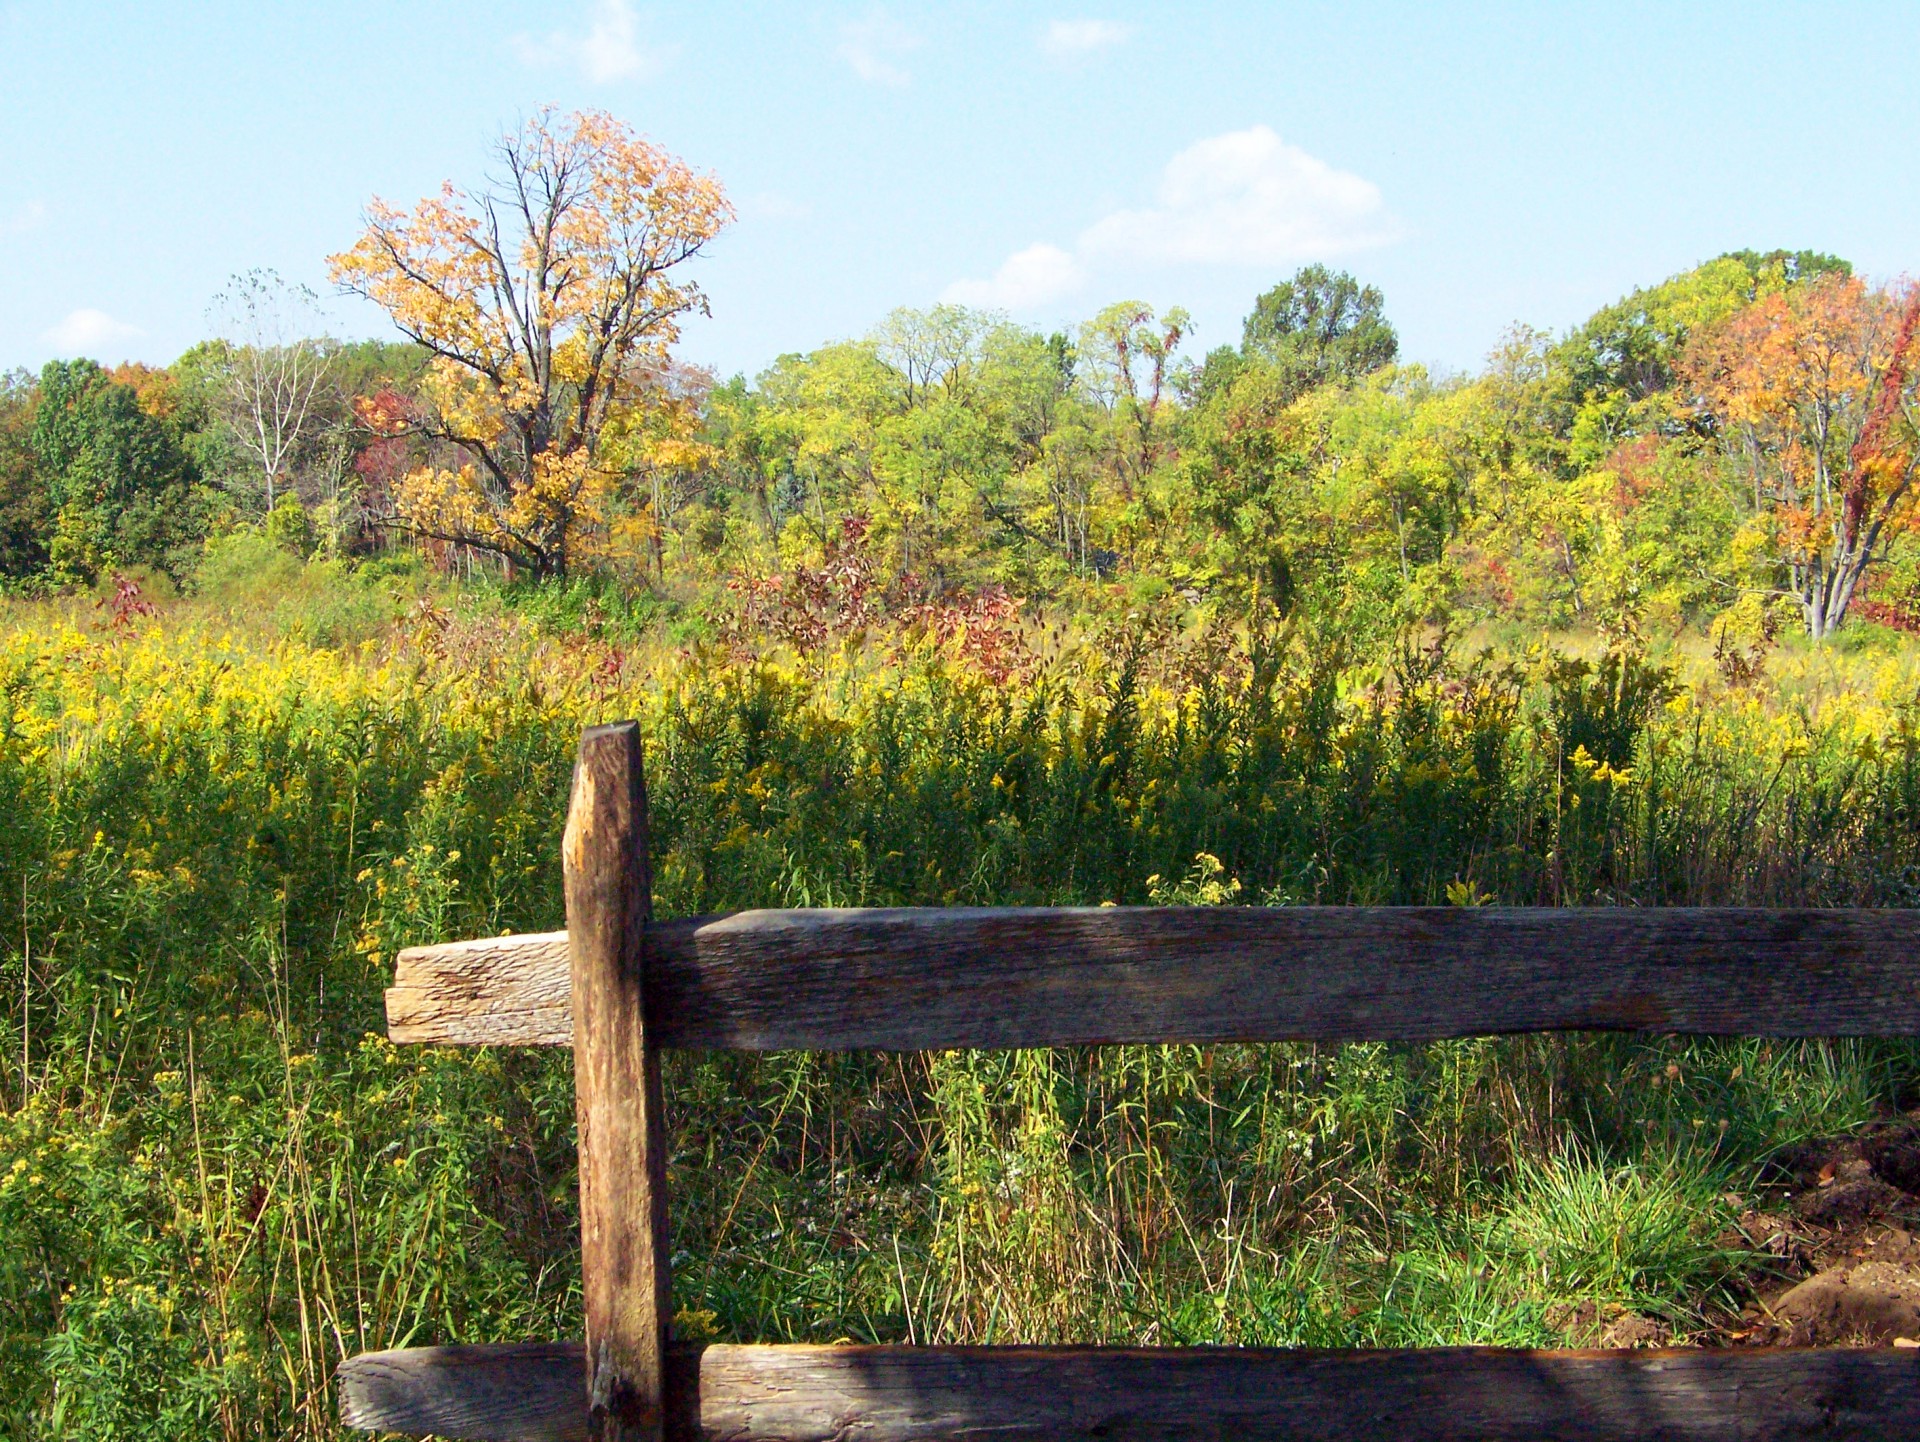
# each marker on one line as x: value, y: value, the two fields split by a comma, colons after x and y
x: 216, y: 828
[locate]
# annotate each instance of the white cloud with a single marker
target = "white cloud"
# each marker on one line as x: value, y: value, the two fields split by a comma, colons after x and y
x: 1071, y: 39
x: 90, y: 330
x: 611, y: 49
x: 874, y: 46
x: 1028, y: 279
x: 1247, y: 198
x: 23, y: 218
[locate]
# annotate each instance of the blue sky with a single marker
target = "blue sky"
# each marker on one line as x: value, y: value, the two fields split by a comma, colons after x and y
x: 1483, y: 165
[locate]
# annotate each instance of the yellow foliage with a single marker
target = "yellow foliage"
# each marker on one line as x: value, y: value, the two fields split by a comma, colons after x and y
x: 549, y: 323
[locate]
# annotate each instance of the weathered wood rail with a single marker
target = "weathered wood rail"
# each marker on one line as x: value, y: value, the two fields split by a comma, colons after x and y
x: 908, y: 979
x: 905, y: 1394
x: 619, y: 988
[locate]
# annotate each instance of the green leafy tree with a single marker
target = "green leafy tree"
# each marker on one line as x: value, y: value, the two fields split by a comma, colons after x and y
x: 1532, y: 527
x: 289, y: 527
x: 1321, y: 327
x: 1634, y: 346
x: 1340, y: 505
x: 752, y: 468
x: 1126, y: 353
x: 816, y: 430
x: 1246, y: 473
x: 26, y: 510
x: 940, y: 430
x: 121, y: 487
x: 1202, y: 384
x: 1382, y: 453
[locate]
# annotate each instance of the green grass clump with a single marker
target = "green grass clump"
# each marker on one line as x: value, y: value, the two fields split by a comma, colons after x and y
x: 1639, y: 1233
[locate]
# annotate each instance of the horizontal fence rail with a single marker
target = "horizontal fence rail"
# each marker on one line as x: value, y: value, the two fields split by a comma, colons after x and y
x: 908, y: 979
x: 1026, y: 1394
x: 619, y: 988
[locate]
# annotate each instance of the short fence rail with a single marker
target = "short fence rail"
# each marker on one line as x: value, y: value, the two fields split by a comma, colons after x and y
x: 619, y: 988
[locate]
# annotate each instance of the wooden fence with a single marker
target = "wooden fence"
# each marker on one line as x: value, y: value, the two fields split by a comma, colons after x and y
x: 619, y: 988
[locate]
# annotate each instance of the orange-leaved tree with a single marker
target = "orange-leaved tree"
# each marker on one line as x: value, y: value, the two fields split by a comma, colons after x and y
x: 548, y: 300
x: 1813, y: 391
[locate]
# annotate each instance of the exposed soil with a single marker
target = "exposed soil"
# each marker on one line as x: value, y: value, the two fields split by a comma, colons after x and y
x: 1843, y: 1219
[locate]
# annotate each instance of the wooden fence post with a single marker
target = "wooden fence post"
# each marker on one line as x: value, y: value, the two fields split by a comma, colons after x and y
x: 623, y: 1196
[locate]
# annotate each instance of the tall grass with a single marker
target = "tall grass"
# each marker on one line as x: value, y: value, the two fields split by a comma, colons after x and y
x: 216, y: 1178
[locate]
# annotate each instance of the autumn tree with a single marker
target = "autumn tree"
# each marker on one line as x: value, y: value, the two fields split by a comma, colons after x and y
x: 659, y: 448
x: 548, y: 300
x: 1812, y: 389
x: 1619, y: 367
x: 1633, y: 347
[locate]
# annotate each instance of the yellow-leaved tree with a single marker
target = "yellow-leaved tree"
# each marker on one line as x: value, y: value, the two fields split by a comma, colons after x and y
x: 548, y: 301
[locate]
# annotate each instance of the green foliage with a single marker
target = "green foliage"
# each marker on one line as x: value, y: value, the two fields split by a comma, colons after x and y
x: 249, y: 580
x: 1322, y: 327
x: 26, y: 509
x: 290, y: 527
x: 362, y: 367
x: 956, y: 436
x: 1621, y: 365
x: 1300, y: 475
x: 113, y: 471
x: 215, y: 1180
x: 1641, y: 1233
x: 121, y: 488
x: 1629, y: 349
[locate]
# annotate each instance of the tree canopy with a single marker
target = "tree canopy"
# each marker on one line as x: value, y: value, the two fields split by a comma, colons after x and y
x: 116, y: 480
x: 548, y: 302
x: 1320, y: 327
x: 1724, y: 450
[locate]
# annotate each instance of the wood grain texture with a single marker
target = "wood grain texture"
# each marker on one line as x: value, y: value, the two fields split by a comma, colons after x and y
x: 1022, y: 1394
x: 505, y: 991
x: 911, y: 979
x: 622, y: 1144
x: 528, y: 1392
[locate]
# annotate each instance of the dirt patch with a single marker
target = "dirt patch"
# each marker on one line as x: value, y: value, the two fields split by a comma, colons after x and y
x: 1634, y: 1330
x: 1833, y: 1229
x: 1895, y: 1158
x: 1841, y: 1220
x: 1595, y: 1324
x: 1852, y: 1195
x: 1873, y: 1302
x: 1884, y: 1159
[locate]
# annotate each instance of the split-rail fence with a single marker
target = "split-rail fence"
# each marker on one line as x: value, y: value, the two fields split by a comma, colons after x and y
x: 620, y: 987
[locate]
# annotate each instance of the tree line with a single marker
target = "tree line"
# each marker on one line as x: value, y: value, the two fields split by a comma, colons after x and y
x: 133, y: 468
x: 1733, y: 447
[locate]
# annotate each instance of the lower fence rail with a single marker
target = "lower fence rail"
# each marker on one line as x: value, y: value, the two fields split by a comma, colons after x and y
x: 537, y: 1393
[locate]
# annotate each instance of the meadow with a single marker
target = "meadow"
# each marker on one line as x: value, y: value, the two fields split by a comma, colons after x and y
x: 220, y: 818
